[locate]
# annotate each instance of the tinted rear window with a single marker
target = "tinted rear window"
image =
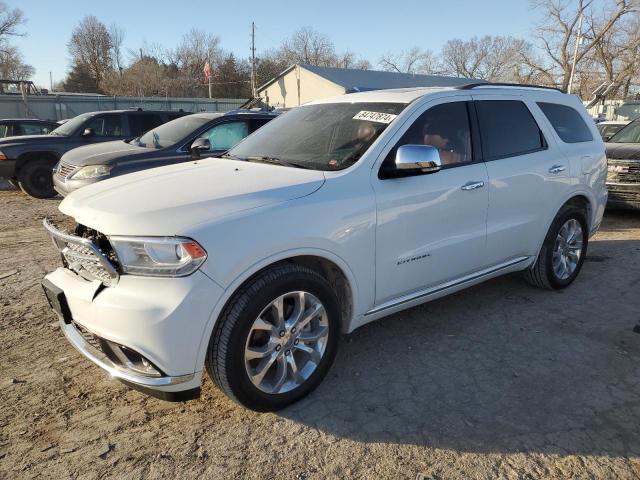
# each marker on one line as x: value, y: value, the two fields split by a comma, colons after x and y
x: 507, y: 128
x: 567, y: 123
x: 140, y: 123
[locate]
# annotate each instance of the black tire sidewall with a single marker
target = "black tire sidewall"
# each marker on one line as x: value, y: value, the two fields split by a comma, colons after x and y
x: 238, y: 379
x: 27, y: 179
x: 558, y: 222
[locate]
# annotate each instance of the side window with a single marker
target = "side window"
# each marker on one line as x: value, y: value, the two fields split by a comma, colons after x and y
x: 4, y: 130
x: 106, y: 125
x: 33, y: 129
x: 507, y: 129
x: 567, y: 123
x: 446, y: 127
x: 140, y: 123
x: 226, y: 135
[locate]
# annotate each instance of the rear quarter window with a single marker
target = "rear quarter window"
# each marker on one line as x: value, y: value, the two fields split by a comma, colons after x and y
x: 567, y: 122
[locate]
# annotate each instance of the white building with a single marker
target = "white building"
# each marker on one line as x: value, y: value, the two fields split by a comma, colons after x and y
x: 300, y: 84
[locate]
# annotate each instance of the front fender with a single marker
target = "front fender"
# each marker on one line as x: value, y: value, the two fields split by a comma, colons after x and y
x: 260, y: 265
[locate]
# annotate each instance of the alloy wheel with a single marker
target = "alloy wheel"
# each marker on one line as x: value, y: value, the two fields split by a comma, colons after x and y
x: 567, y: 249
x: 286, y: 342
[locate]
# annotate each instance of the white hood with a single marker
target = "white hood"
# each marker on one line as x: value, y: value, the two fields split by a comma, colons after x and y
x: 169, y: 200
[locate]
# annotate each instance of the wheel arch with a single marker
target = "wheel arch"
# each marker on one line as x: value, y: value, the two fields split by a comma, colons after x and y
x: 23, y: 158
x: 579, y: 198
x: 329, y: 265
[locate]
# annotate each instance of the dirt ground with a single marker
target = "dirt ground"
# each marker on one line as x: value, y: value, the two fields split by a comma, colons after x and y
x: 498, y: 381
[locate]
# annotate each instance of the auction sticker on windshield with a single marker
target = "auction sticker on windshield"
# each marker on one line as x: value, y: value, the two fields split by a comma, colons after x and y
x: 379, y: 117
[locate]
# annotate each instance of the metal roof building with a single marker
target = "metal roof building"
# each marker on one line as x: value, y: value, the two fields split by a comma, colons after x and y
x: 300, y: 84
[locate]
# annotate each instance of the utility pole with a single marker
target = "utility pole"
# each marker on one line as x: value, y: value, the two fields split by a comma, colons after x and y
x: 50, y: 82
x: 253, y: 60
x: 575, y: 51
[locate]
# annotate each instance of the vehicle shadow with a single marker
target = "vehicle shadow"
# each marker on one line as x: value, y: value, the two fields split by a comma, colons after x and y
x: 498, y: 367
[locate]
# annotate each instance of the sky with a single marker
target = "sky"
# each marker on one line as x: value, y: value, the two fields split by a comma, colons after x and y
x: 368, y: 29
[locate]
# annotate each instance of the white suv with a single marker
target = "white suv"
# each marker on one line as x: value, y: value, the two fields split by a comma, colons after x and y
x: 335, y: 214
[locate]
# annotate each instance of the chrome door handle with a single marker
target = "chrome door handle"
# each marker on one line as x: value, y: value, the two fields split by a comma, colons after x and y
x: 557, y: 169
x: 472, y: 185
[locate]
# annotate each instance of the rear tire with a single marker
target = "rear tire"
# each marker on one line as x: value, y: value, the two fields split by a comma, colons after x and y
x: 36, y: 179
x: 559, y: 261
x: 249, y: 312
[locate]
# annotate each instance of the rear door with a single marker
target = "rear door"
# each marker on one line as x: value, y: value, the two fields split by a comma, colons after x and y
x: 528, y: 176
x: 106, y: 127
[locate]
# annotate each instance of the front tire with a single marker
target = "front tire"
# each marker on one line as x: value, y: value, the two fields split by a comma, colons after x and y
x: 276, y: 338
x: 563, y: 251
x: 36, y: 179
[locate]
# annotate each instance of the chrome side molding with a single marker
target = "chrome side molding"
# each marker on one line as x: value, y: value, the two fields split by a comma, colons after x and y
x: 453, y: 283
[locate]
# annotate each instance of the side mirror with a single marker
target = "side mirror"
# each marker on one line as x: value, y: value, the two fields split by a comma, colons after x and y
x: 418, y: 158
x: 200, y: 145
x: 606, y: 138
x: 88, y: 132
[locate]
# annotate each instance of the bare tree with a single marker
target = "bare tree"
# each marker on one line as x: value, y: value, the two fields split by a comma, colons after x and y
x: 414, y: 60
x: 116, y: 34
x: 492, y: 58
x: 349, y: 59
x: 12, y: 65
x: 615, y: 57
x: 559, y: 29
x: 195, y: 50
x: 10, y: 22
x: 90, y: 46
x: 307, y: 46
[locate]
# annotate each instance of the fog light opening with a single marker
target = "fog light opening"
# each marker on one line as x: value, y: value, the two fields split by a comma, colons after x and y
x: 132, y: 360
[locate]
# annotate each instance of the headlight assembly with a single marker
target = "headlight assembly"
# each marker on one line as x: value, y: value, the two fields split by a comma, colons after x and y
x: 92, y: 171
x: 158, y: 256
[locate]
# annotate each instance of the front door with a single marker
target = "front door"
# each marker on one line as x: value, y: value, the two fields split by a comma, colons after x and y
x: 431, y: 228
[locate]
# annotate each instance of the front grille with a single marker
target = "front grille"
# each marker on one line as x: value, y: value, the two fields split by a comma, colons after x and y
x: 87, y: 252
x: 90, y: 338
x: 623, y: 171
x: 624, y: 196
x: 65, y: 170
x: 80, y: 258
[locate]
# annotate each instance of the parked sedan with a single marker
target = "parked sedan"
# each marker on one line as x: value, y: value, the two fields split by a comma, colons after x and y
x: 15, y: 127
x: 187, y: 138
x: 623, y: 158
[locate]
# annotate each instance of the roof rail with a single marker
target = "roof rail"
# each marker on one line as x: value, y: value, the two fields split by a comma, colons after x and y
x: 470, y: 86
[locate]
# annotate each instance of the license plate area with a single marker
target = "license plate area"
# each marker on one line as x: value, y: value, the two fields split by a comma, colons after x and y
x: 57, y: 300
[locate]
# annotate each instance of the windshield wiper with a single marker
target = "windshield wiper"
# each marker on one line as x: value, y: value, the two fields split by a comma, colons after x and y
x: 232, y: 157
x: 276, y: 161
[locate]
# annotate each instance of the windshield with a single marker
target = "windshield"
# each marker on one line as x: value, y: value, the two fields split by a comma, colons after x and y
x: 630, y: 111
x: 171, y: 132
x: 629, y: 134
x: 320, y: 137
x: 70, y: 126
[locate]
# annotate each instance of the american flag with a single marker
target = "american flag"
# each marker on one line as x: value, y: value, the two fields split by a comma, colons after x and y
x: 207, y: 71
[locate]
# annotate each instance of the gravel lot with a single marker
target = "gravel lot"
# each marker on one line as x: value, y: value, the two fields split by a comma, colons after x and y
x: 498, y: 381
